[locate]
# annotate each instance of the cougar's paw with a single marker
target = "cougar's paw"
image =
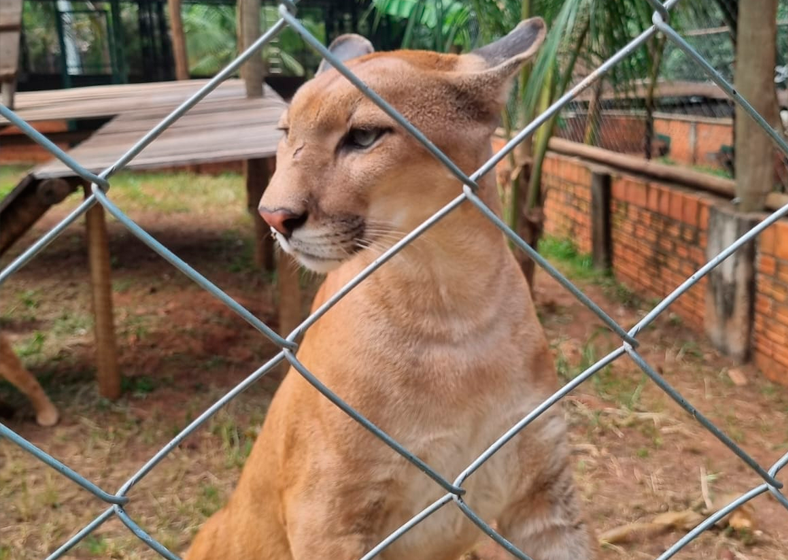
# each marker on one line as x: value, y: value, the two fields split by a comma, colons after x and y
x: 48, y: 417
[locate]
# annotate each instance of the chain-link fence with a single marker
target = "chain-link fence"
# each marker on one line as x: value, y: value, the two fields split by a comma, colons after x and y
x: 454, y: 491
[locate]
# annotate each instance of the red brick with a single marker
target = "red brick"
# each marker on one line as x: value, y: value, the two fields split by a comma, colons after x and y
x: 619, y: 190
x: 767, y: 265
x: 690, y: 211
x: 664, y: 201
x: 778, y: 336
x: 676, y: 205
x: 779, y: 314
x: 766, y: 240
x: 638, y: 194
x: 781, y: 240
x: 653, y: 198
x: 780, y: 355
x: 703, y: 216
x: 763, y: 306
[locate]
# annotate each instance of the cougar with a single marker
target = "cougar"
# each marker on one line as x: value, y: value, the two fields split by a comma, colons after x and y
x: 15, y: 373
x: 441, y: 347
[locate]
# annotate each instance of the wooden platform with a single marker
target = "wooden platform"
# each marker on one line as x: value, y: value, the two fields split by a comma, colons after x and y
x: 108, y: 101
x: 223, y: 127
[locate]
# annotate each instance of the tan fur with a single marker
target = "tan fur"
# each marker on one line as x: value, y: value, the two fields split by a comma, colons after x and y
x: 441, y: 347
x: 14, y: 372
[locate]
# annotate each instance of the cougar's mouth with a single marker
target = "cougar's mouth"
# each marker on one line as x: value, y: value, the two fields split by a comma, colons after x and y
x: 326, y: 248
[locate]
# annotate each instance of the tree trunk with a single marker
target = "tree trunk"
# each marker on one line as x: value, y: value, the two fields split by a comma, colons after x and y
x: 253, y: 71
x: 754, y: 80
x: 178, y: 40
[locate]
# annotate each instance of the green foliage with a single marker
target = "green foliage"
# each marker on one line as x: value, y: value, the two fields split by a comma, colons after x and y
x: 211, y: 40
x: 437, y: 25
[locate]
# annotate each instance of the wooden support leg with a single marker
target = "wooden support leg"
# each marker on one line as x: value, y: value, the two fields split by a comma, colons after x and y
x: 7, y: 91
x: 289, y: 285
x: 257, y: 173
x: 101, y: 282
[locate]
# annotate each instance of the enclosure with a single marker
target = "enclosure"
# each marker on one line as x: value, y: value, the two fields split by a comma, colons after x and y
x: 669, y: 437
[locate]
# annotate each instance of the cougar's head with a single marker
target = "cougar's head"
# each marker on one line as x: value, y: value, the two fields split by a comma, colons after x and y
x: 348, y: 177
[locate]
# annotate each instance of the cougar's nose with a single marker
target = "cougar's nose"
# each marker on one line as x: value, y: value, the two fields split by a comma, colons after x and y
x: 283, y: 221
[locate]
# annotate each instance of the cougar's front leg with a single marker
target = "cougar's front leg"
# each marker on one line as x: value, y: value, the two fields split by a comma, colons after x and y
x: 337, y: 520
x: 11, y: 369
x: 550, y: 525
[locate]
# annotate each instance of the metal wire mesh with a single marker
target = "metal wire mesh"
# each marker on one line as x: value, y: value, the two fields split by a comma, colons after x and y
x: 454, y: 489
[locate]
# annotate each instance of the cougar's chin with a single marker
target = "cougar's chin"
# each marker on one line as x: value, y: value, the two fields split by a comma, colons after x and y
x: 317, y: 258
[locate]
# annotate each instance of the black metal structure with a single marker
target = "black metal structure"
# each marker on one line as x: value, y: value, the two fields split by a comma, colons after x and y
x: 138, y: 47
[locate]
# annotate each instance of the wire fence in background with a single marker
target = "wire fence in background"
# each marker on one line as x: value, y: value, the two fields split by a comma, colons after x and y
x: 685, y: 120
x: 454, y: 490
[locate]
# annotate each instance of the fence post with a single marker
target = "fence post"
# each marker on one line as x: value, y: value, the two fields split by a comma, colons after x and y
x: 600, y: 219
x: 730, y: 292
x: 101, y: 284
x: 257, y: 173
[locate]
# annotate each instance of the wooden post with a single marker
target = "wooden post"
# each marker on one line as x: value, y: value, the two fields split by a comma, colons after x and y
x: 289, y: 285
x: 257, y: 173
x: 600, y: 220
x: 249, y: 30
x: 101, y: 283
x: 178, y: 40
x: 10, y: 30
x: 289, y: 281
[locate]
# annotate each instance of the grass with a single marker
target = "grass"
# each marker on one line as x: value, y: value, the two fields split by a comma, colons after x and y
x: 578, y: 266
x: 707, y: 169
x: 178, y: 193
x: 10, y: 175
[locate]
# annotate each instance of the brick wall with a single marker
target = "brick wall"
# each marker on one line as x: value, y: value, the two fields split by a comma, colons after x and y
x: 626, y: 134
x: 659, y: 234
x: 709, y: 138
x: 658, y: 231
x: 770, y: 336
x: 568, y: 200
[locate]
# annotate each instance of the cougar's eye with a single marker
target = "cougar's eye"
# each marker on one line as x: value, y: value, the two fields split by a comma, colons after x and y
x: 361, y: 138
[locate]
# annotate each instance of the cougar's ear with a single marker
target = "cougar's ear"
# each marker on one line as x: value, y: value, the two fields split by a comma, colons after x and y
x: 485, y: 75
x: 346, y: 47
x: 508, y: 53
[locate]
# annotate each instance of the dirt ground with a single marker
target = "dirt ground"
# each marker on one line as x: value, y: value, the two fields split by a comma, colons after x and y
x: 638, y: 455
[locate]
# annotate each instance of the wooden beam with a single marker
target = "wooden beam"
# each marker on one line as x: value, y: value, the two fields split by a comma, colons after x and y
x: 101, y: 283
x: 257, y: 173
x: 660, y: 172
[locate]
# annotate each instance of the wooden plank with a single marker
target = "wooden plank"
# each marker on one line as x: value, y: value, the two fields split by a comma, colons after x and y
x: 223, y: 128
x: 216, y: 130
x: 108, y: 101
